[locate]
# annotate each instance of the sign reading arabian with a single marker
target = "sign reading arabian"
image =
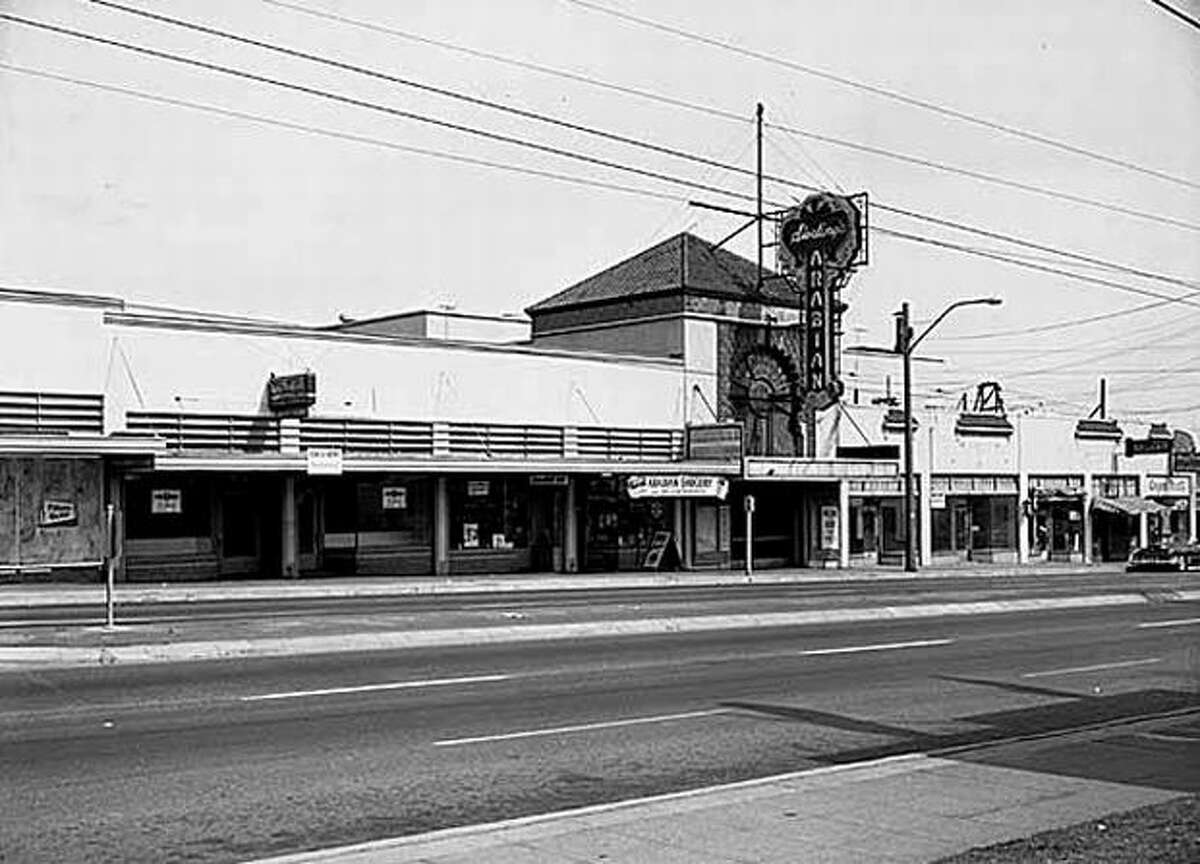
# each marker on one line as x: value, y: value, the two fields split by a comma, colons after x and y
x: 292, y: 395
x: 820, y: 242
x: 676, y: 486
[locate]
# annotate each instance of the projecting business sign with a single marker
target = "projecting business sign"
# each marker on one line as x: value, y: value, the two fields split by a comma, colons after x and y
x: 292, y: 394
x: 830, y: 225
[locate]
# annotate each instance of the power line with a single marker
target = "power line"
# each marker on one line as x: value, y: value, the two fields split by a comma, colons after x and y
x: 1171, y: 9
x: 343, y: 136
x: 591, y: 130
x: 724, y: 114
x: 556, y: 151
x: 893, y: 95
x: 1065, y: 324
x: 370, y: 106
x: 995, y: 256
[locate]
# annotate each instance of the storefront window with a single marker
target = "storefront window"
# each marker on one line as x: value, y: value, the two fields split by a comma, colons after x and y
x: 167, y: 506
x: 489, y: 513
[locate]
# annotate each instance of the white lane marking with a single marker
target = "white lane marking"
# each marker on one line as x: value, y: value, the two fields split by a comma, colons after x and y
x: 1073, y: 670
x: 368, y: 688
x: 1178, y: 622
x: 582, y: 727
x: 885, y: 646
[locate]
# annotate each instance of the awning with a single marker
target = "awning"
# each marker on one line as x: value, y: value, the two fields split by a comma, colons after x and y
x: 1127, y: 506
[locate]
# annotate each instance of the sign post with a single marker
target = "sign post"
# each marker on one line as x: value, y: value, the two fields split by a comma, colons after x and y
x: 749, y: 503
x: 109, y: 569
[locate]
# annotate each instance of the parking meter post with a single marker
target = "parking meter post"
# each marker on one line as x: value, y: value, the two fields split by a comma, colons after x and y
x: 109, y: 568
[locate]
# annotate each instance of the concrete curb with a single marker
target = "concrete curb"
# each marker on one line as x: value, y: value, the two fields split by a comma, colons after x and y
x: 16, y: 596
x: 66, y: 656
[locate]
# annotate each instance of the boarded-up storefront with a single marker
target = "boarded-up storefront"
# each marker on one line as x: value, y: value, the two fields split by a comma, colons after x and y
x: 51, y: 512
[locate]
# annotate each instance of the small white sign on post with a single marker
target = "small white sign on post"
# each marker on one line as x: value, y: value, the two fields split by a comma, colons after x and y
x: 323, y: 461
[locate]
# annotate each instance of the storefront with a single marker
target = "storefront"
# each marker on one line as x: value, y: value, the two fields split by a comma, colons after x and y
x: 1116, y: 515
x: 1056, y: 518
x: 374, y: 524
x: 1172, y: 525
x: 974, y: 517
x: 877, y: 530
x: 51, y: 513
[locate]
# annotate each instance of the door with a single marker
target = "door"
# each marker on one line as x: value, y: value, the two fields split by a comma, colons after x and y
x: 960, y: 515
x: 240, y: 535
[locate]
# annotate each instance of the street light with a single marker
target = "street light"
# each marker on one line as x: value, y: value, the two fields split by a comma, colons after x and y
x: 905, y: 344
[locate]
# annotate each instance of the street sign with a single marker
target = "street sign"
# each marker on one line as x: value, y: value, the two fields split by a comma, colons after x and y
x: 748, y: 502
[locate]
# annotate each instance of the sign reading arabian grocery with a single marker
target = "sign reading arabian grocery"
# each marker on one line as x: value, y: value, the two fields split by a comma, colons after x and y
x: 292, y: 394
x: 57, y: 514
x: 323, y: 461
x: 1167, y: 487
x: 676, y: 486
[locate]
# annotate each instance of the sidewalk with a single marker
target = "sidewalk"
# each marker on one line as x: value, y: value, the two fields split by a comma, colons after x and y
x: 175, y: 636
x: 75, y: 594
x: 912, y: 808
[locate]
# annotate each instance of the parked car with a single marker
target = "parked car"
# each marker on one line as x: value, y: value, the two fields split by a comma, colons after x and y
x: 1179, y: 557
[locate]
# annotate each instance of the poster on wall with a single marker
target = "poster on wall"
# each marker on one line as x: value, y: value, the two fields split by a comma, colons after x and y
x: 829, y: 527
x: 470, y: 535
x: 395, y: 497
x: 479, y: 488
x: 58, y: 514
x: 166, y: 501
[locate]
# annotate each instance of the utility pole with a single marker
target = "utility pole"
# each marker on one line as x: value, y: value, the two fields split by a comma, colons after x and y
x: 904, y: 336
x: 758, y: 210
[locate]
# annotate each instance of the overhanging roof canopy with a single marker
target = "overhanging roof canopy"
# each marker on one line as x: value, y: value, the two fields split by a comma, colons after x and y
x: 1128, y: 506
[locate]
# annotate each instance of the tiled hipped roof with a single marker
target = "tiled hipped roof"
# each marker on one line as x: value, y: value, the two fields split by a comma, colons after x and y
x: 683, y: 262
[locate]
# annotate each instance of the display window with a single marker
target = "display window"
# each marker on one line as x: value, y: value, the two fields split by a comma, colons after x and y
x: 166, y: 506
x: 489, y: 513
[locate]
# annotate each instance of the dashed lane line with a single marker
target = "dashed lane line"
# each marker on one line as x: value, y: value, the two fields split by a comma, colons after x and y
x: 1096, y: 668
x: 370, y: 688
x: 582, y: 727
x: 1178, y: 622
x: 885, y: 646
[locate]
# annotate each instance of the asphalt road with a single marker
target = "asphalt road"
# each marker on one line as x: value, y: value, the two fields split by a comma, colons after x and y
x: 234, y: 760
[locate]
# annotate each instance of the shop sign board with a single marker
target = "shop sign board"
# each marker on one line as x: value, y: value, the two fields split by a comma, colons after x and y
x: 549, y: 480
x: 292, y: 394
x: 829, y: 527
x: 1185, y: 463
x: 58, y: 513
x: 721, y: 442
x: 1167, y: 487
x: 479, y: 488
x: 166, y: 501
x: 324, y: 461
x: 1146, y: 446
x: 676, y: 486
x: 395, y: 498
x: 937, y: 500
x: 660, y: 545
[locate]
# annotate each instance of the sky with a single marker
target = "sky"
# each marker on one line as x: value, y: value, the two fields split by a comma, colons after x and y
x: 301, y: 208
